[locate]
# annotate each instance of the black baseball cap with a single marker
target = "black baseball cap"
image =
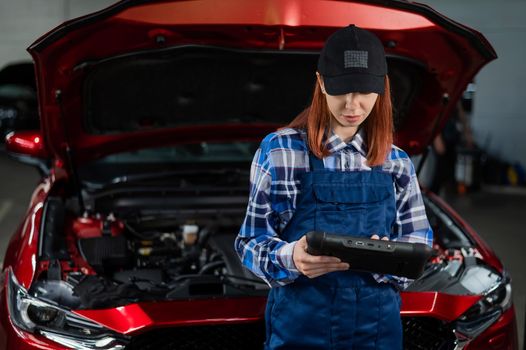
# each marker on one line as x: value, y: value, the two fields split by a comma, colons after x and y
x: 352, y: 60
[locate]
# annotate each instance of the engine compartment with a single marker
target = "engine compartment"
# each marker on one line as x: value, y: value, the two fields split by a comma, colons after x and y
x: 106, y: 260
x: 151, y: 253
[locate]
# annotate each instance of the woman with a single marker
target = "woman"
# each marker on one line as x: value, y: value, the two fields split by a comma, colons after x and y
x: 333, y: 169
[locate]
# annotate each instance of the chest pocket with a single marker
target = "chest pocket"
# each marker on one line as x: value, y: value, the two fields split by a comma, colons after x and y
x: 355, y: 194
x: 357, y: 209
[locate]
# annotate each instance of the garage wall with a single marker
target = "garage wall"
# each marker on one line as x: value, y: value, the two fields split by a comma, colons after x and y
x: 498, y: 118
x: 24, y: 21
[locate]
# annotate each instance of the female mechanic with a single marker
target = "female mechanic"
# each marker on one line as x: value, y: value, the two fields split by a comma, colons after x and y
x: 333, y: 169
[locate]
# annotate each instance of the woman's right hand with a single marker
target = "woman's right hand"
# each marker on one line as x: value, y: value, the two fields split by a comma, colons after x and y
x: 312, y: 265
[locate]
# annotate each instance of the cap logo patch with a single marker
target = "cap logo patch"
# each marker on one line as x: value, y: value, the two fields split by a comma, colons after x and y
x: 355, y: 59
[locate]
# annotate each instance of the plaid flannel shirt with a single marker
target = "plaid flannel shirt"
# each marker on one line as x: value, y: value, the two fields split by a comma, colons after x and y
x: 274, y: 189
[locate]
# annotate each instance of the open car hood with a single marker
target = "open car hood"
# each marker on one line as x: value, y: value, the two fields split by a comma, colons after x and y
x: 145, y: 73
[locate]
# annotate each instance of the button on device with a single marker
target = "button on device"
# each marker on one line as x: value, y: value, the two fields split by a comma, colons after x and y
x: 359, y: 243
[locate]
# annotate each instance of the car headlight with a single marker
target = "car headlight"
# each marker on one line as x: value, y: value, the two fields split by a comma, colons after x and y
x: 487, y: 310
x: 56, y: 323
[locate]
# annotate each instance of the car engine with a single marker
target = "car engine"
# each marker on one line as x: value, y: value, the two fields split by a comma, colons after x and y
x: 114, y: 259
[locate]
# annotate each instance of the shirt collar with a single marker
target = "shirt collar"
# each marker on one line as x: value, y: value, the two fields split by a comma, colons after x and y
x: 335, y: 143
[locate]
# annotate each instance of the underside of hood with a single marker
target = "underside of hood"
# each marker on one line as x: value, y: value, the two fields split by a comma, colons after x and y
x: 141, y: 74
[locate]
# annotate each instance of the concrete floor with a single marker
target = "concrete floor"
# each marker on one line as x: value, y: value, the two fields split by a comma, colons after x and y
x: 500, y: 218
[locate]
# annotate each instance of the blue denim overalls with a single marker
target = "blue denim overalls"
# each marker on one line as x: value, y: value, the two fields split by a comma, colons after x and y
x: 344, y: 309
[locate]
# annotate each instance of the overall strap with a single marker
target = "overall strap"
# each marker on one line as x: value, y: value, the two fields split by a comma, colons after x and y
x: 315, y: 162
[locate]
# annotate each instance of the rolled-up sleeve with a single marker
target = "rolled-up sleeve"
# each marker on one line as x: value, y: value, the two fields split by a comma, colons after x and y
x: 258, y: 244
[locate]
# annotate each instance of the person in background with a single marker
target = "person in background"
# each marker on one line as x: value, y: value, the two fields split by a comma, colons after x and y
x: 456, y: 132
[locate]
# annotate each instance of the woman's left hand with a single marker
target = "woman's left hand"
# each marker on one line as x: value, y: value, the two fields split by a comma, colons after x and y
x: 384, y: 238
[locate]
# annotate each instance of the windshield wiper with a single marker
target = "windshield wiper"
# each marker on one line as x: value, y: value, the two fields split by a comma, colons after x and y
x: 172, y: 173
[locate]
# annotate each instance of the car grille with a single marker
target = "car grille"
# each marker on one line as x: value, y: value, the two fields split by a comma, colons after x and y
x: 420, y: 333
x: 218, y: 337
x: 425, y: 333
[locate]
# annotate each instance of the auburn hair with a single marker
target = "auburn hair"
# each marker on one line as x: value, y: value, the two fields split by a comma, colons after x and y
x: 316, y: 120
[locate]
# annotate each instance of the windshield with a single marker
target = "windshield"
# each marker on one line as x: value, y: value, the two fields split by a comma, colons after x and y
x: 181, y: 160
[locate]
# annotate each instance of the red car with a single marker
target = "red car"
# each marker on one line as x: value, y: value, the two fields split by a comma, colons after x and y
x: 151, y: 112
